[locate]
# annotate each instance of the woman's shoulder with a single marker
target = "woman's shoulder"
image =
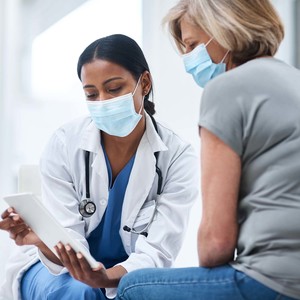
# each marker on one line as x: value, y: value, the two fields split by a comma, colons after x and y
x: 245, y: 81
x: 252, y: 73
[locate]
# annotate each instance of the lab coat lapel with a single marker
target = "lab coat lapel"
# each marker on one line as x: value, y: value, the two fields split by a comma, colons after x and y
x: 100, y: 168
x: 142, y: 174
x: 140, y: 182
x: 91, y: 141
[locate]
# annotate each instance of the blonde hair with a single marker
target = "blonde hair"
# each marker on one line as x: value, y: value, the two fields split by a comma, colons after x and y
x: 248, y: 28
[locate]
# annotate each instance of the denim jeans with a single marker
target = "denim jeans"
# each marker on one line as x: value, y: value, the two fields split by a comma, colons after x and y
x: 193, y: 284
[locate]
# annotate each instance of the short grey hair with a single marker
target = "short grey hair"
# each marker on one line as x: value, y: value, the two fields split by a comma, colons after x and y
x: 248, y: 28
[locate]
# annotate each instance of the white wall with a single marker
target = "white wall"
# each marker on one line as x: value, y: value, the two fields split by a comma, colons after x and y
x: 177, y: 99
x: 8, y: 94
x: 286, y: 10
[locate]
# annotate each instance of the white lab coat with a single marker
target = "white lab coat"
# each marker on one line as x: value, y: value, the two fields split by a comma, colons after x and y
x: 63, y: 187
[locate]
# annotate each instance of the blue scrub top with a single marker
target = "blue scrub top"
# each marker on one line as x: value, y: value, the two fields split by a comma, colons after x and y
x: 105, y: 242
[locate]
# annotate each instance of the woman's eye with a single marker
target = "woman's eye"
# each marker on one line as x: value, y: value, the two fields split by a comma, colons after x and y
x: 192, y: 46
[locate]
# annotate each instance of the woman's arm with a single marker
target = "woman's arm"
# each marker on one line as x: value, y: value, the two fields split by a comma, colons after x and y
x: 221, y: 171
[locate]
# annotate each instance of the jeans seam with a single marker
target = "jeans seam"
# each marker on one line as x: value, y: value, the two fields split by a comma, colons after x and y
x: 242, y: 277
x: 173, y: 284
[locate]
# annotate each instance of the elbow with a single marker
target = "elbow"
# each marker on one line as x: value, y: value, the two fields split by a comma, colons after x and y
x: 215, y: 254
x: 214, y: 251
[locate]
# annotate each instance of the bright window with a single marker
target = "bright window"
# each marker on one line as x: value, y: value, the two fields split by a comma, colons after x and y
x: 56, y: 50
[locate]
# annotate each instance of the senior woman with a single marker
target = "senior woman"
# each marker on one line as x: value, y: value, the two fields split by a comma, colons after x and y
x: 249, y: 235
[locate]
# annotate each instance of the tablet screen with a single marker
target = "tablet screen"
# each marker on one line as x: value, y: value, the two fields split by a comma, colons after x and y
x: 44, y: 224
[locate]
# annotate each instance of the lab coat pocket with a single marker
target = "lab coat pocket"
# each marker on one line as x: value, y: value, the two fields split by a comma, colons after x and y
x: 145, y: 215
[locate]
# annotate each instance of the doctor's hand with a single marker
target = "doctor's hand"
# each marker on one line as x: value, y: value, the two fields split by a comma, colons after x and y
x: 80, y: 269
x: 18, y: 229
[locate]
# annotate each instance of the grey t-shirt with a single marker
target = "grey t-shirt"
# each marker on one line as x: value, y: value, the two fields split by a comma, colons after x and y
x: 255, y: 109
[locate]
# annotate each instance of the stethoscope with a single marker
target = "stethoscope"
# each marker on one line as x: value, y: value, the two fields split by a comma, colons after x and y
x: 87, y: 207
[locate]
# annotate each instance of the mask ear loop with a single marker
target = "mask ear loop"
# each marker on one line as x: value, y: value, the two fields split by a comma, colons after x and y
x: 208, y: 42
x: 224, y: 56
x: 137, y: 84
x: 142, y: 105
x: 140, y: 110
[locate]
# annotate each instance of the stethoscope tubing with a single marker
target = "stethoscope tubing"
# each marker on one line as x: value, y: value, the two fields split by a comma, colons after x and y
x: 86, y: 204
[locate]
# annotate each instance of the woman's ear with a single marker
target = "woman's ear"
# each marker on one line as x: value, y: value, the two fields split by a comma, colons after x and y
x: 146, y: 82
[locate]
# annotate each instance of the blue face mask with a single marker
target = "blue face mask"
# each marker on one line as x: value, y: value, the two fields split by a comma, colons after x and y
x: 199, y: 64
x: 115, y: 116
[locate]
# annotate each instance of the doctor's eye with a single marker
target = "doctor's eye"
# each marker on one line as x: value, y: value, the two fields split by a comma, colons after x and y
x: 90, y: 96
x: 113, y: 90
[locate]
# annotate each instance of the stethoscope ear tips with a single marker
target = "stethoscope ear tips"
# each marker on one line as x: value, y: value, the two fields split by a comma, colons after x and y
x: 87, y: 208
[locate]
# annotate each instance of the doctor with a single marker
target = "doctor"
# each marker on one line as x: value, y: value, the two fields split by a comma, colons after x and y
x: 121, y: 184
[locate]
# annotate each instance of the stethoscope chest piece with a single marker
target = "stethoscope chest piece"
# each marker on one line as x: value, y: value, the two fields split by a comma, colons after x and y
x: 87, y: 208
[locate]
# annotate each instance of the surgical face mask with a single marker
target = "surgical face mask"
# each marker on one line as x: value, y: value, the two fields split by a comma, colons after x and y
x: 116, y: 116
x: 199, y: 64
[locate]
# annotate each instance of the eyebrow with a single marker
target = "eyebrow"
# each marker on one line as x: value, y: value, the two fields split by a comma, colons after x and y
x: 105, y: 82
x: 88, y: 86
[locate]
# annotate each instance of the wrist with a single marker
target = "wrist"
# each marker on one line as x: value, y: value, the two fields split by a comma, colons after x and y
x: 114, y: 275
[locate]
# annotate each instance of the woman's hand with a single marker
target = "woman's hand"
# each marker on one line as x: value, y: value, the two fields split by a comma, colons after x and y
x: 18, y: 230
x: 80, y: 269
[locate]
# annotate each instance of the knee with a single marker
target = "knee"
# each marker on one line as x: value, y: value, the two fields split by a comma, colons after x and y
x: 128, y: 283
x: 130, y: 278
x: 123, y: 284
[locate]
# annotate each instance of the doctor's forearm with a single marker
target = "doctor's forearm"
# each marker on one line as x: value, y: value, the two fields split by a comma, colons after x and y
x: 114, y: 275
x: 48, y: 253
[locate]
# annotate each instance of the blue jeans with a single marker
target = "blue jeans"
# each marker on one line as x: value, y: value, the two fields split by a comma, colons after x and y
x: 193, y: 284
x: 38, y: 284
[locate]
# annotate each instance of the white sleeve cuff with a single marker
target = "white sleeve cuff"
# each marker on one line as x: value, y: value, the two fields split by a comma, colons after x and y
x: 53, y: 268
x: 111, y: 293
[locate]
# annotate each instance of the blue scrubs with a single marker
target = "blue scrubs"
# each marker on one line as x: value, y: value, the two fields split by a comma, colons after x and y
x: 105, y: 241
x: 105, y: 245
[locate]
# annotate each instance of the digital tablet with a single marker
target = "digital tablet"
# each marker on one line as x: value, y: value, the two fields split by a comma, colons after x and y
x: 44, y: 224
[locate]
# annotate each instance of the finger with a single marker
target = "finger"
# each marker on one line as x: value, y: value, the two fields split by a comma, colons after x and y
x: 84, y: 265
x: 100, y: 267
x: 20, y: 229
x: 61, y: 252
x: 64, y: 258
x: 6, y: 224
x: 78, y: 272
x: 12, y: 221
x: 20, y: 238
x: 17, y: 219
x: 7, y: 213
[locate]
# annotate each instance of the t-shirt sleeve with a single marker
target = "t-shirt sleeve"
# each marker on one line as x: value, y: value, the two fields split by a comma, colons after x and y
x: 221, y: 113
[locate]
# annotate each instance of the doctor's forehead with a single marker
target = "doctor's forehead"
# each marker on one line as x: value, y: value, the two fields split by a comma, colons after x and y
x: 102, y: 69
